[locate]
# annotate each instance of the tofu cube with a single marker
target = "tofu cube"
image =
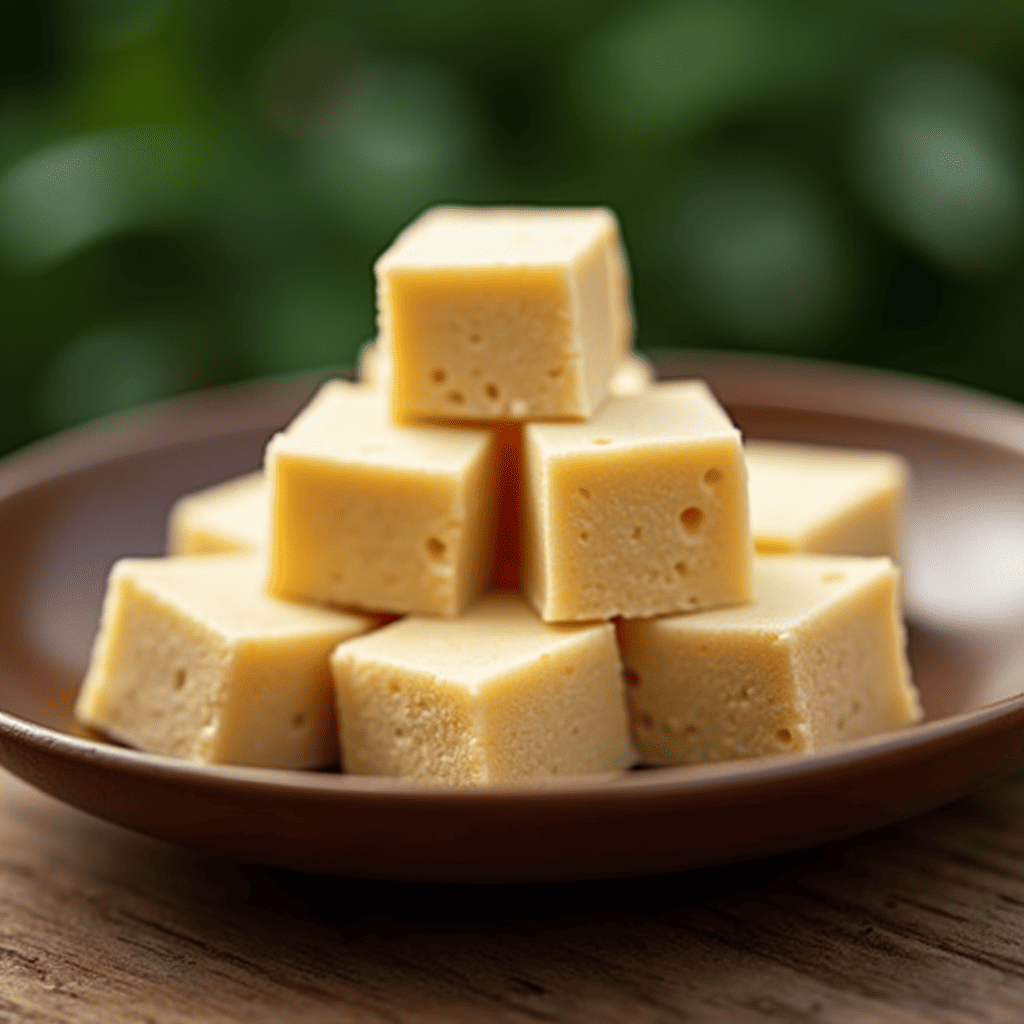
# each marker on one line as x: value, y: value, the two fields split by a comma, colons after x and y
x: 193, y: 660
x: 377, y: 516
x: 231, y: 516
x: 817, y: 658
x: 495, y: 695
x: 825, y: 500
x: 494, y: 314
x: 641, y: 511
x: 633, y: 374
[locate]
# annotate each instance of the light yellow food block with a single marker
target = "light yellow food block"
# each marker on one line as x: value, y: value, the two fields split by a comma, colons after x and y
x: 493, y: 696
x: 503, y: 313
x: 633, y: 373
x: 193, y: 660
x: 231, y: 516
x: 378, y: 516
x: 641, y: 511
x: 816, y: 659
x: 826, y: 500
x: 374, y: 364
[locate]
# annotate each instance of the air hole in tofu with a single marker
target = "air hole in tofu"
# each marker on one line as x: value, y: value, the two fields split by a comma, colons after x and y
x: 637, y: 533
x: 584, y: 493
x: 691, y: 518
x: 569, y: 669
x: 399, y: 732
x: 712, y: 477
x: 631, y: 677
x: 299, y: 719
x: 436, y: 548
x: 680, y: 568
x: 584, y: 536
x: 602, y: 440
x: 784, y: 736
x: 646, y: 721
x: 475, y: 339
x: 832, y: 577
x: 491, y: 391
x: 438, y: 376
x: 556, y: 372
x: 394, y: 686
x: 691, y: 730
x: 455, y: 397
x: 180, y: 678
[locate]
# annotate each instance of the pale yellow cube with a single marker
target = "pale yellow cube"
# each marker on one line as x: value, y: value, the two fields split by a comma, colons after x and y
x: 836, y: 501
x: 193, y: 660
x: 817, y: 658
x: 377, y: 516
x: 494, y: 696
x: 632, y: 375
x: 230, y: 516
x: 495, y: 314
x: 641, y: 511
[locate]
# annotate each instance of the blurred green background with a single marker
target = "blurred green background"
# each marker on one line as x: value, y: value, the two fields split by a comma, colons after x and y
x: 193, y: 192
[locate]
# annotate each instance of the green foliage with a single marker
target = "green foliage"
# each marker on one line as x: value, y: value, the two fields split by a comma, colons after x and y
x: 193, y: 193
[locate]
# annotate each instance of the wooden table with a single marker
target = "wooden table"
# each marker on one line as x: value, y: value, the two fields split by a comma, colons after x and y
x: 919, y: 922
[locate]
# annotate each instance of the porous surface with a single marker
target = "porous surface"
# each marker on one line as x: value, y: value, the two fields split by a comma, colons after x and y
x: 504, y: 313
x: 817, y: 658
x: 641, y: 511
x: 195, y: 661
x: 495, y: 695
x: 377, y: 516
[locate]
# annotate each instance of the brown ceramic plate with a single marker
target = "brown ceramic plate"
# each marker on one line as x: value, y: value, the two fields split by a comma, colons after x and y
x: 71, y: 505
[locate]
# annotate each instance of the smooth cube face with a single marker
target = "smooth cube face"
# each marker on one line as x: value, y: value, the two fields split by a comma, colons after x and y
x: 825, y: 500
x: 642, y: 511
x: 371, y: 515
x: 493, y: 696
x: 503, y: 314
x: 232, y: 516
x: 817, y: 658
x: 194, y: 661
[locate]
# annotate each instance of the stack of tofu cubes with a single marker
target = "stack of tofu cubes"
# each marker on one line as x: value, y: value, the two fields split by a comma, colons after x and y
x: 506, y: 554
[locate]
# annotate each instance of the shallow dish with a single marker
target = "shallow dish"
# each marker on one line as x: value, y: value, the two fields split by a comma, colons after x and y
x: 71, y: 505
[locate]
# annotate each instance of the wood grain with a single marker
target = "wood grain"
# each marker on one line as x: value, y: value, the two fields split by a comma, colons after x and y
x: 919, y: 922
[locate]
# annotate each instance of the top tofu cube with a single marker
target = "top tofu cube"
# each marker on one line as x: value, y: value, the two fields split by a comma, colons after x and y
x: 503, y: 313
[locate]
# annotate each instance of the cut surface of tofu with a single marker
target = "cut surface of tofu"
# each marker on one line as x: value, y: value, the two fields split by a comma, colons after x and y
x: 817, y: 658
x: 633, y: 372
x: 493, y: 696
x: 194, y: 661
x: 231, y: 516
x: 377, y: 516
x: 836, y: 501
x: 641, y: 511
x: 503, y: 313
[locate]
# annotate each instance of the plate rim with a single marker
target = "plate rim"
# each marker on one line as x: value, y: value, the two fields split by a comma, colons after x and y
x: 233, y: 409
